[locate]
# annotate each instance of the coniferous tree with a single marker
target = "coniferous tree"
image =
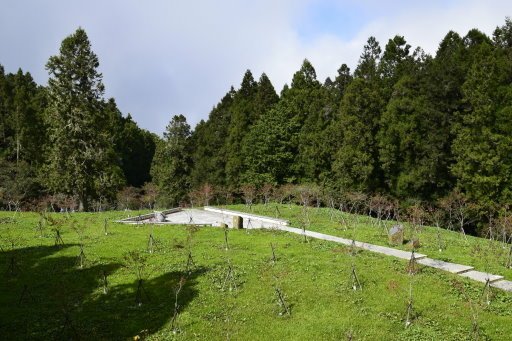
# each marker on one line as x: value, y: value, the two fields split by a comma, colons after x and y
x: 243, y: 115
x: 26, y: 120
x: 80, y: 159
x: 304, y: 103
x: 172, y: 162
x: 413, y: 139
x: 483, y: 142
x: 268, y: 151
x: 266, y: 97
x: 208, y: 139
x: 356, y: 164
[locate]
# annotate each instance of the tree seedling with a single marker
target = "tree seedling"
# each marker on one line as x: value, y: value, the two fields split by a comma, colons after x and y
x: 284, y: 308
x: 81, y: 257
x: 151, y: 243
x: 509, y: 258
x: 137, y: 262
x: 174, y: 321
x: 69, y: 331
x: 226, y: 244
x: 25, y: 293
x: 40, y: 226
x: 410, y: 310
x: 487, y: 291
x: 58, y: 237
x: 190, y: 263
x: 277, y: 211
x: 412, y: 266
x: 104, y: 279
x: 274, y: 258
x: 356, y: 284
x: 12, y: 267
x: 230, y: 279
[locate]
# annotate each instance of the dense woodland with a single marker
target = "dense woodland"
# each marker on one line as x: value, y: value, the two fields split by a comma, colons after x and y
x: 404, y: 126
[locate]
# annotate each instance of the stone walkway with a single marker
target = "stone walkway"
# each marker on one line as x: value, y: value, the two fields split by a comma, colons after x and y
x: 215, y: 217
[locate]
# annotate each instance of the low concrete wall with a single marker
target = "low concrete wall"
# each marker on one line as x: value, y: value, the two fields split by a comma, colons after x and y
x: 276, y: 221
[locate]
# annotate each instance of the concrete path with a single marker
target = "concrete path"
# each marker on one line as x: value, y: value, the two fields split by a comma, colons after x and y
x: 215, y: 217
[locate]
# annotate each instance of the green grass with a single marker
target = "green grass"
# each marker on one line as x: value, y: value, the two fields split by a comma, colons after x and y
x: 64, y: 301
x: 483, y: 254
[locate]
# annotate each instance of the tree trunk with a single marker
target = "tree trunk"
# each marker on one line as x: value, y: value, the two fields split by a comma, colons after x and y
x: 83, y: 205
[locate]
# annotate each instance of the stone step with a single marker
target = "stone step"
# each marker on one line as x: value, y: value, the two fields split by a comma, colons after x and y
x: 446, y: 266
x: 481, y: 276
x: 389, y: 251
x: 503, y: 285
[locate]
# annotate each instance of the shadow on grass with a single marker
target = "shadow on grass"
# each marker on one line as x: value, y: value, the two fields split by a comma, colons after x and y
x: 46, y: 296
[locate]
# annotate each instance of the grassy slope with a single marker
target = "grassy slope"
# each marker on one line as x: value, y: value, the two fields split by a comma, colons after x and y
x: 484, y: 255
x: 314, y: 276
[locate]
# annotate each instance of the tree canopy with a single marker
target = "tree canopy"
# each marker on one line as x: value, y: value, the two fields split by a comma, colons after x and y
x: 403, y: 123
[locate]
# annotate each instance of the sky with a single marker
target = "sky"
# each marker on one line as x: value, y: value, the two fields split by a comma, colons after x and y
x: 161, y: 58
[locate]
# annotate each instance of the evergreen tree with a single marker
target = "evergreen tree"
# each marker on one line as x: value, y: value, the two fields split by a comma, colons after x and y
x: 268, y: 151
x: 4, y: 112
x: 356, y: 163
x: 26, y: 120
x: 483, y: 143
x: 172, y: 163
x: 135, y: 147
x: 208, y: 139
x: 305, y: 104
x: 80, y: 159
x: 243, y: 115
x: 266, y: 97
x: 341, y: 82
x: 413, y: 140
x: 395, y: 63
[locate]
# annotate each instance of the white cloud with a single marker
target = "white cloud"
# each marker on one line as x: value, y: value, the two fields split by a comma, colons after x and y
x: 161, y: 58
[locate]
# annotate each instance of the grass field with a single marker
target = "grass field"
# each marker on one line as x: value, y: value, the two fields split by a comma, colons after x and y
x: 228, y: 294
x: 483, y: 254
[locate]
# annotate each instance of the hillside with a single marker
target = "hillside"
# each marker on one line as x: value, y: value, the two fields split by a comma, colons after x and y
x: 228, y: 292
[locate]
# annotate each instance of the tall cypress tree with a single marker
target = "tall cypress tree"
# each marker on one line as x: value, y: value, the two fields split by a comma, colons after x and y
x: 171, y: 165
x: 304, y: 104
x: 356, y: 163
x: 243, y: 116
x: 483, y: 143
x: 207, y: 140
x: 26, y: 119
x: 80, y: 157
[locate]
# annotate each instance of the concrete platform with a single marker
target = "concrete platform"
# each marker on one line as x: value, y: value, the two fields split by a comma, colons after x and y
x: 248, y: 216
x: 450, y: 267
x: 503, y: 285
x: 481, y: 276
x: 206, y: 217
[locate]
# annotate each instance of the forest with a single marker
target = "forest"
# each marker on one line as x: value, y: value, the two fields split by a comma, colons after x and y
x: 404, y: 129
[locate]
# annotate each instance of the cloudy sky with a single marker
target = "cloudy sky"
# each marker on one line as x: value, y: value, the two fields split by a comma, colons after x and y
x: 166, y: 57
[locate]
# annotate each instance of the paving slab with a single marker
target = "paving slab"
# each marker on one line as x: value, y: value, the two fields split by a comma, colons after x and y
x: 389, y: 251
x: 481, y: 276
x: 446, y: 266
x: 503, y: 285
